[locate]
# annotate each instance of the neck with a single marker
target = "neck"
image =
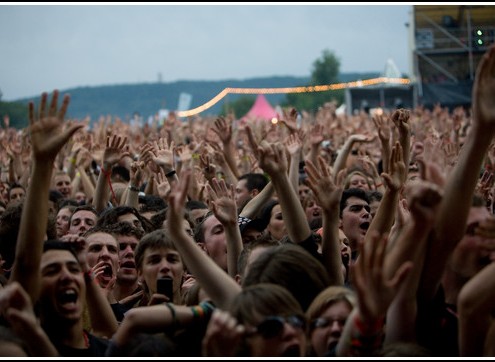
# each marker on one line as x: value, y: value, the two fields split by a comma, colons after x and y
x: 72, y: 336
x: 124, y: 289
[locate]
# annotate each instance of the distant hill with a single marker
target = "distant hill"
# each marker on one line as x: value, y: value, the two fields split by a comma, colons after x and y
x: 148, y: 98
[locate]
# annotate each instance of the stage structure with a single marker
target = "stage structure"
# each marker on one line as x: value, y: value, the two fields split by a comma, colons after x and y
x: 447, y: 43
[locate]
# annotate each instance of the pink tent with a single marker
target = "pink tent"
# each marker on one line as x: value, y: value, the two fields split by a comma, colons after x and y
x: 261, y: 110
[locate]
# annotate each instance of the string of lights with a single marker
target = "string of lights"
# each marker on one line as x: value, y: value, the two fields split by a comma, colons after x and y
x: 305, y: 89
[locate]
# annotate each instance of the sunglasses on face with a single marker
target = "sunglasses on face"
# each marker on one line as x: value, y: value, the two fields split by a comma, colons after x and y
x: 273, y: 326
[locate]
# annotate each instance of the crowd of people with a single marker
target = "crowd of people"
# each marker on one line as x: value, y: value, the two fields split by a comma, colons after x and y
x: 334, y: 236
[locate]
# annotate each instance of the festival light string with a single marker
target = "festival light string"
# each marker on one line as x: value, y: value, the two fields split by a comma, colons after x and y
x: 305, y: 89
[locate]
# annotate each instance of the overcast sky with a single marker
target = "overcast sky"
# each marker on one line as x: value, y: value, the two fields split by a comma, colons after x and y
x: 46, y: 47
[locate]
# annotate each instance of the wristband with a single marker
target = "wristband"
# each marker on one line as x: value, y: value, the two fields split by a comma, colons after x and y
x: 133, y: 188
x: 170, y: 174
x: 175, y: 322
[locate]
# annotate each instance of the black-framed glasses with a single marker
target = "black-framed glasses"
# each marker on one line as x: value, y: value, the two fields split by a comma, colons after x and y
x: 273, y: 326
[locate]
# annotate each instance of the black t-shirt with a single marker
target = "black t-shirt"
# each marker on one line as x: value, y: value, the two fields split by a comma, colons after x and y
x: 97, y: 348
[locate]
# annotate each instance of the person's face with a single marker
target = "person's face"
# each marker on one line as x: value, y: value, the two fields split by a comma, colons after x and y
x: 276, y: 226
x: 215, y: 243
x: 327, y: 332
x: 63, y: 289
x: 16, y: 194
x: 62, y: 221
x: 290, y: 342
x: 127, y: 270
x: 312, y: 210
x: 131, y: 219
x: 197, y: 214
x: 355, y: 220
x: 103, y: 252
x: 242, y: 193
x: 80, y: 197
x: 358, y: 181
x: 160, y: 263
x: 304, y: 190
x: 82, y: 221
x: 250, y: 234
x: 473, y: 252
x: 63, y: 184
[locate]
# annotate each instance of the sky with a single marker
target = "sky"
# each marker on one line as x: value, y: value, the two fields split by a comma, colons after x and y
x: 53, y: 46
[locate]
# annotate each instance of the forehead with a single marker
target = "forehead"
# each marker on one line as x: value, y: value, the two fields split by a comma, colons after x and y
x: 84, y: 214
x: 357, y: 176
x: 51, y: 257
x: 210, y: 222
x: 127, y: 239
x: 101, y: 238
x: 59, y: 178
x: 241, y: 184
x: 354, y: 200
x: 160, y: 250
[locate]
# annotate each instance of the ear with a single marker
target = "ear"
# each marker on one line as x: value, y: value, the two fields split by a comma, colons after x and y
x: 254, y: 192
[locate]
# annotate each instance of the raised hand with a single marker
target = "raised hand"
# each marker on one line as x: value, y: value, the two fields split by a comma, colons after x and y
x: 115, y: 150
x: 46, y: 130
x: 222, y: 201
x: 483, y: 91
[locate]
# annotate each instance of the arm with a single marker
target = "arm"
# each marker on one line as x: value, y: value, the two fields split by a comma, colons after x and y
x: 384, y: 131
x: 363, y: 330
x: 328, y: 195
x: 136, y: 178
x: 222, y: 202
x: 47, y: 137
x: 455, y: 205
x: 294, y: 146
x: 423, y: 200
x: 273, y: 161
x: 394, y: 181
x: 114, y: 151
x: 475, y: 306
x: 400, y: 118
x: 343, y: 153
x: 17, y: 309
x: 224, y: 131
x: 217, y: 284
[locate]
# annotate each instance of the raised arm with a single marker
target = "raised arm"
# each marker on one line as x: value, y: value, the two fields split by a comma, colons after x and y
x: 115, y: 149
x: 363, y: 330
x: 423, y: 199
x: 343, y: 153
x: 455, y: 205
x: 222, y: 201
x: 48, y: 136
x: 217, y: 284
x: 273, y: 160
x: 327, y: 195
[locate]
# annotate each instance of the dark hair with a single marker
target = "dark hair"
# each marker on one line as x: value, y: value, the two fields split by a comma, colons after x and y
x: 151, y: 203
x: 55, y: 244
x: 121, y: 172
x: 352, y: 192
x: 111, y: 216
x: 195, y: 204
x: 83, y: 208
x: 292, y: 267
x: 153, y: 240
x: 254, y: 180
